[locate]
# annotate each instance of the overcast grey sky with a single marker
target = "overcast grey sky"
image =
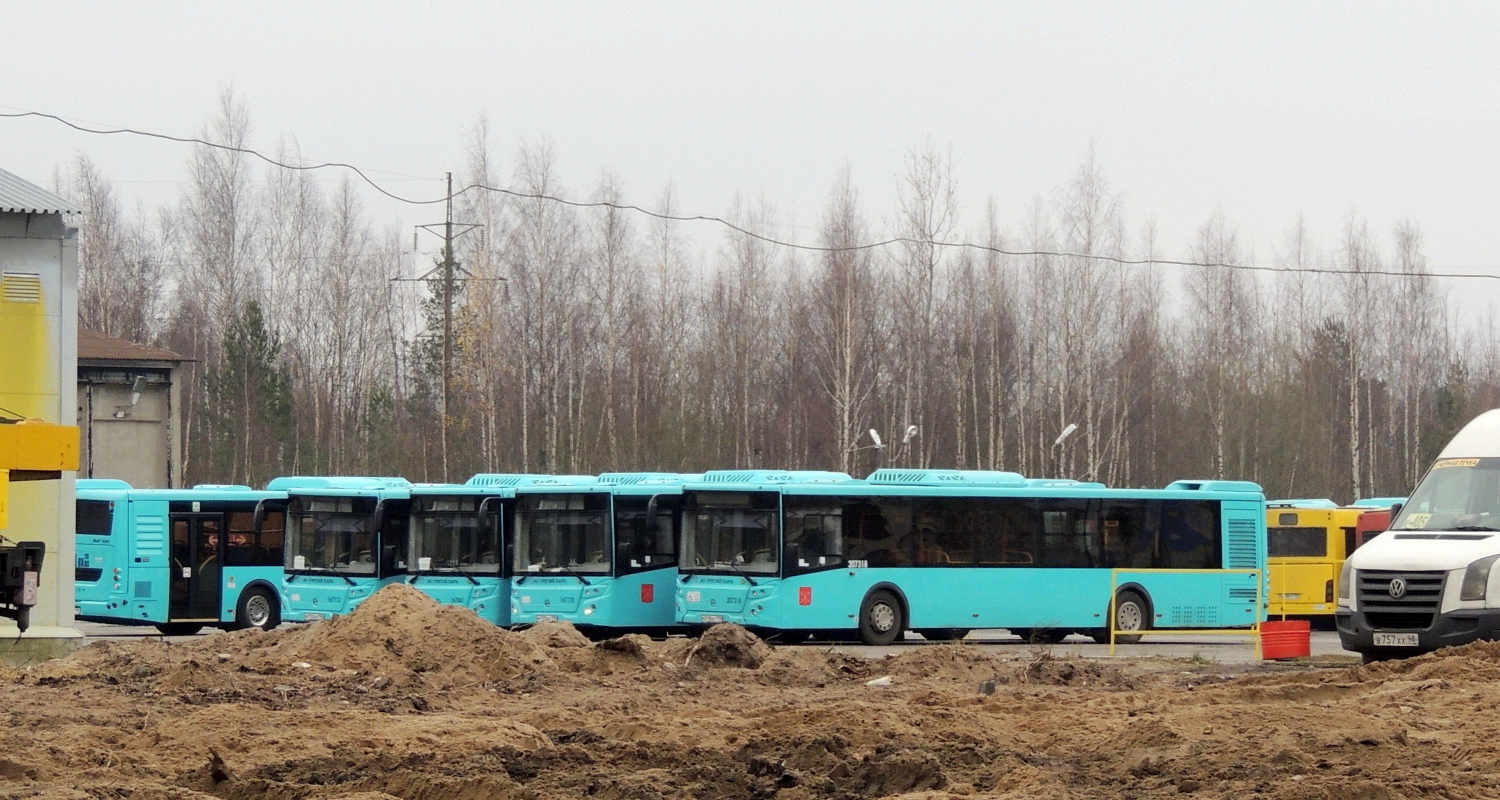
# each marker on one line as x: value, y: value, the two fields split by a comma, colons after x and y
x: 1265, y: 110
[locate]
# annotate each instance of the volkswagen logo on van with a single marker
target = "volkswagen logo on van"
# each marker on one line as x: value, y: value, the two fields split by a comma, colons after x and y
x: 1397, y: 588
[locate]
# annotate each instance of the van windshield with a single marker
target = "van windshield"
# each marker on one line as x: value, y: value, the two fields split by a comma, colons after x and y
x: 1456, y: 494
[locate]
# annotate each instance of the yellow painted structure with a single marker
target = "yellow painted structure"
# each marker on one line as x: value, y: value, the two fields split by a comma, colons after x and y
x: 34, y: 450
x: 1306, y: 551
x: 38, y: 380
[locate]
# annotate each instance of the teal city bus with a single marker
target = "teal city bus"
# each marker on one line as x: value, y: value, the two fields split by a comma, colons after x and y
x: 598, y: 553
x: 345, y: 539
x: 457, y: 542
x: 946, y: 552
x: 178, y: 559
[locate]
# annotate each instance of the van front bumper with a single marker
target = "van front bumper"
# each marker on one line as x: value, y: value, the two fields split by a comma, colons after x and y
x: 1447, y: 630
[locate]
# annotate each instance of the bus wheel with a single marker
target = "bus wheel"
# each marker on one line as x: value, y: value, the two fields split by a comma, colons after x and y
x: 179, y: 628
x: 880, y: 620
x: 258, y: 609
x: 1130, y: 615
x: 943, y: 634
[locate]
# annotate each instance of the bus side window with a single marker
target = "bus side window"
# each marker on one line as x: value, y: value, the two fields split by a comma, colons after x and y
x: 392, y: 540
x: 1007, y: 532
x: 241, y: 546
x: 272, y: 538
x: 814, y: 533
x: 1068, y: 537
x: 1190, y: 535
x: 1125, y: 535
x: 876, y: 531
x: 944, y: 532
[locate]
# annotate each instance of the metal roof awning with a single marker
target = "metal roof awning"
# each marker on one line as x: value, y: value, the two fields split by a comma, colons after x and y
x: 18, y: 196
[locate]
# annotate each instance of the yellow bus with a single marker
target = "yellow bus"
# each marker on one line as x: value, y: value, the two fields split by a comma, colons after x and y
x: 1307, y: 542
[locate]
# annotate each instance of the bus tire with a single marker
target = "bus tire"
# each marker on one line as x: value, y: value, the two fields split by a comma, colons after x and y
x: 258, y: 608
x: 943, y: 634
x: 1131, y: 614
x: 880, y: 618
x: 179, y: 628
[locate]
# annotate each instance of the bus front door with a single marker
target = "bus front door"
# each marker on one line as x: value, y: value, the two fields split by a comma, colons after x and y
x: 195, y: 567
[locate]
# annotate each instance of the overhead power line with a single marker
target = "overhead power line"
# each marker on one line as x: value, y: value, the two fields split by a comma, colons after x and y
x: 1489, y: 273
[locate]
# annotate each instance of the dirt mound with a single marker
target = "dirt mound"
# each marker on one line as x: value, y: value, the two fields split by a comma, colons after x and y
x: 1045, y: 669
x: 554, y: 635
x: 729, y: 645
x: 410, y: 699
x: 1478, y: 661
x: 949, y: 662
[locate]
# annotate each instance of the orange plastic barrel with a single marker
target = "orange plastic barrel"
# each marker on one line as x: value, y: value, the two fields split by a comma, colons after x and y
x: 1291, y: 638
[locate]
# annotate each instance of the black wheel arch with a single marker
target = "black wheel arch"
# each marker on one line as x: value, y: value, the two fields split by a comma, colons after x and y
x: 900, y: 599
x: 1139, y: 591
x: 262, y: 583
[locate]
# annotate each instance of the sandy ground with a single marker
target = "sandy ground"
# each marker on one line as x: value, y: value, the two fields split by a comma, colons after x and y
x: 413, y: 700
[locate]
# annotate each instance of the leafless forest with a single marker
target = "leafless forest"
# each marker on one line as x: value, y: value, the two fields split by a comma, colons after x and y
x: 594, y: 339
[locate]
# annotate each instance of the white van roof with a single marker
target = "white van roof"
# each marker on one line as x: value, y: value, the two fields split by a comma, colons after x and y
x: 1479, y: 439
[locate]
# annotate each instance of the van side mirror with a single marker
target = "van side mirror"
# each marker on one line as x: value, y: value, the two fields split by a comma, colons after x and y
x: 1395, y: 512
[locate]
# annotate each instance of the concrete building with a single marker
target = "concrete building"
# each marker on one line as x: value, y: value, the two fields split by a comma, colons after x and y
x: 38, y: 367
x: 129, y: 411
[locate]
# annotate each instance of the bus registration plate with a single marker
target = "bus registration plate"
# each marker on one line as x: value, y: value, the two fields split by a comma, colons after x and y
x: 713, y: 618
x: 311, y: 616
x: 1395, y: 640
x: 546, y: 617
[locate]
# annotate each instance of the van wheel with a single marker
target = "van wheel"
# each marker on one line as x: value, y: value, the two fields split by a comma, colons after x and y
x: 258, y: 609
x: 1131, y: 614
x: 880, y: 618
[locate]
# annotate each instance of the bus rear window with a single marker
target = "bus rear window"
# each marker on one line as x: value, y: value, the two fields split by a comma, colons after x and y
x: 95, y: 517
x: 1297, y: 542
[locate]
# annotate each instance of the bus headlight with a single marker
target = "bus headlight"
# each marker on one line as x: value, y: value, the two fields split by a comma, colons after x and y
x: 1346, y: 577
x: 1477, y: 579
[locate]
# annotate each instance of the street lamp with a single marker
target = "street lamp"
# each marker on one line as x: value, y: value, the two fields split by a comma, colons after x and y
x: 1057, y: 447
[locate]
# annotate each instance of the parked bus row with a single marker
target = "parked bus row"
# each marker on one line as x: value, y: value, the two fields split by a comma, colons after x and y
x: 785, y: 553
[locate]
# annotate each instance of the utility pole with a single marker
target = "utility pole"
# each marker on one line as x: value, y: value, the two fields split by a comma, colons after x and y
x: 447, y: 319
x: 450, y: 268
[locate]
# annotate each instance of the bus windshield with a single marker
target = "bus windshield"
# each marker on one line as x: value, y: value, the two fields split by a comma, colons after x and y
x: 563, y: 533
x: 335, y: 533
x: 731, y: 532
x: 450, y: 534
x: 1456, y: 494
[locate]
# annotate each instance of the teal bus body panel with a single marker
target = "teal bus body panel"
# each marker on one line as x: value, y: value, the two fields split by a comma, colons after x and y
x: 608, y: 602
x: 486, y: 596
x: 308, y: 598
x: 236, y: 580
x: 934, y: 598
x: 970, y: 598
x: 141, y: 593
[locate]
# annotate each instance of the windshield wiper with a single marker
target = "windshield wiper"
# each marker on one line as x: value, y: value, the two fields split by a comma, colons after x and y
x: 545, y: 567
x: 320, y: 571
x: 741, y: 573
x: 449, y: 571
x: 1474, y: 528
